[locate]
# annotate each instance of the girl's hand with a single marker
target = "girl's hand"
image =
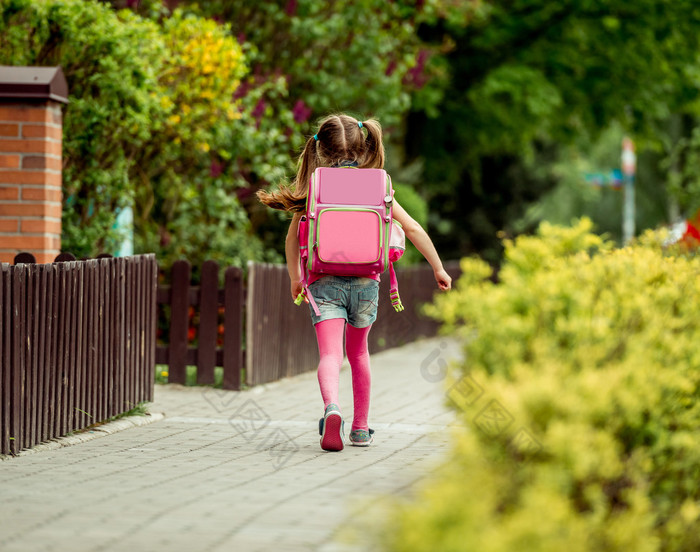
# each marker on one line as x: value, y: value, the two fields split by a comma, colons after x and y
x: 443, y: 279
x: 296, y: 289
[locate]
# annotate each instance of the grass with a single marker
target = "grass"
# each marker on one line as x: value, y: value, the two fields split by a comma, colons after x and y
x: 191, y: 376
x: 138, y: 410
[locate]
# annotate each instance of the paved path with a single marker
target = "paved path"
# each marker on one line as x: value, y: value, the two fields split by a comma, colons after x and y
x: 233, y: 471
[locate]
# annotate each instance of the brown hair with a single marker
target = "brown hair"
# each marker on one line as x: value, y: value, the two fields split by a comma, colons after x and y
x: 340, y: 138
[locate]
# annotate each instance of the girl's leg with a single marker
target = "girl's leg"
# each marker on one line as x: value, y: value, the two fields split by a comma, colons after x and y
x: 329, y: 335
x: 358, y: 356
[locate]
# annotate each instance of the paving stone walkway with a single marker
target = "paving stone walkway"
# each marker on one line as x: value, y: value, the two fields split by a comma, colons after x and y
x: 234, y: 471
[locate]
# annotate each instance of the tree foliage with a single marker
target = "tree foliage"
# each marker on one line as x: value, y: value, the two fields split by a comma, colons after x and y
x: 184, y: 114
x: 528, y: 76
x: 364, y: 58
x: 185, y: 194
x: 152, y: 123
x: 111, y: 68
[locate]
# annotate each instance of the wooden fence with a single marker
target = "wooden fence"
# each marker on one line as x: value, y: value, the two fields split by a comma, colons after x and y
x: 204, y: 324
x: 280, y: 340
x: 77, y: 345
x: 78, y: 338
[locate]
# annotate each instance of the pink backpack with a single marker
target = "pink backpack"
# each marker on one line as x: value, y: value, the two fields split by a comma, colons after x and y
x: 348, y: 228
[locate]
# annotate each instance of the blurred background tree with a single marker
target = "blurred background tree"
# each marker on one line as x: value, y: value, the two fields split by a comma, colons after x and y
x: 533, y: 86
x: 364, y: 58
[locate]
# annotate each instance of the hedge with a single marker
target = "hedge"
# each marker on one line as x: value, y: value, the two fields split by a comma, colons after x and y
x: 578, y: 400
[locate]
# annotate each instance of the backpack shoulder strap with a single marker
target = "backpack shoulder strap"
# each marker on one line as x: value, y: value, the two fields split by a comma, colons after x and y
x: 303, y: 265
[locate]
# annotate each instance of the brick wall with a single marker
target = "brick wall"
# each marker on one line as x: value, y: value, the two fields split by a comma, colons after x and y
x: 30, y: 179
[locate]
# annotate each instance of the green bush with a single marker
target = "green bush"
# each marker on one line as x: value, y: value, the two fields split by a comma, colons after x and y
x: 417, y: 207
x: 185, y: 188
x: 111, y: 66
x: 152, y: 124
x: 579, y: 401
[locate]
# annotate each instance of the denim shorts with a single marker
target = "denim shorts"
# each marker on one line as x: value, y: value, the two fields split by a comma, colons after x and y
x: 350, y: 297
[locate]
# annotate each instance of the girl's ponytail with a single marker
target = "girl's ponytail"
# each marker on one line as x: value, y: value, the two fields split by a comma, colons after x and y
x: 293, y: 197
x: 308, y: 162
x: 374, y: 146
x: 340, y: 139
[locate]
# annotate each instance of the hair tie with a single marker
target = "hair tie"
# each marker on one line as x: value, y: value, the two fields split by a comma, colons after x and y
x: 359, y: 123
x: 316, y: 137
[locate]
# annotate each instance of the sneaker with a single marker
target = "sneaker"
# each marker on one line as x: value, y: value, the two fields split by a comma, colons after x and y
x: 331, y: 429
x: 361, y: 437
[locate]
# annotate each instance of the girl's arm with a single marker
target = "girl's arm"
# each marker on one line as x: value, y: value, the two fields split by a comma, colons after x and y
x: 291, y: 248
x: 419, y: 237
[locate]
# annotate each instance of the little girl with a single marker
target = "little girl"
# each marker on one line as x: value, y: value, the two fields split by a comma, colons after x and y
x: 347, y: 304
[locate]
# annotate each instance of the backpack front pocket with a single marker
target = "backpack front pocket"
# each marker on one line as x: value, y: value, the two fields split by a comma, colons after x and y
x: 352, y: 236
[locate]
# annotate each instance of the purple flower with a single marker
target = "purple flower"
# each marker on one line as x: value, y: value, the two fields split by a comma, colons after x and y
x: 242, y: 90
x: 215, y: 169
x: 291, y: 8
x: 416, y: 75
x: 259, y: 109
x: 132, y: 4
x: 165, y: 237
x: 244, y: 193
x: 301, y: 112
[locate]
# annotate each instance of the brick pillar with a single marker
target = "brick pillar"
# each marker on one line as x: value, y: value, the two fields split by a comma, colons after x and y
x: 31, y: 134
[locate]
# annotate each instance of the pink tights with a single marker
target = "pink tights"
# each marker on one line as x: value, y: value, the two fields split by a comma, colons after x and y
x: 329, y: 334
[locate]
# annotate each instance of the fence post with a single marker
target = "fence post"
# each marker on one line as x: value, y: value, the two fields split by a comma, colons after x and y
x: 233, y: 327
x: 5, y: 366
x: 17, y: 358
x: 208, y: 322
x: 148, y: 374
x: 179, y: 307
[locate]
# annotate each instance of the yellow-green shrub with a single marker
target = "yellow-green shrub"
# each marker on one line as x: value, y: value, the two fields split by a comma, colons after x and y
x: 593, y: 352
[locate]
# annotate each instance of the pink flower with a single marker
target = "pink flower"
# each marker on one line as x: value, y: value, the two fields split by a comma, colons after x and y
x: 242, y: 90
x: 416, y: 75
x: 301, y: 112
x: 259, y: 109
x: 165, y: 237
x: 291, y: 8
x: 215, y: 169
